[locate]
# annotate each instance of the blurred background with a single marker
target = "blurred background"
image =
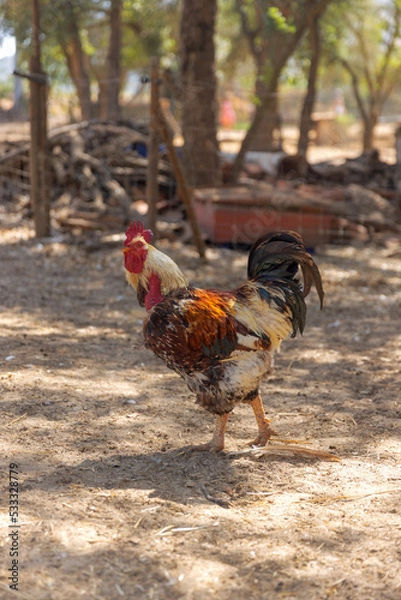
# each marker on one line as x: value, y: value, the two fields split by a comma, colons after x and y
x: 240, y: 84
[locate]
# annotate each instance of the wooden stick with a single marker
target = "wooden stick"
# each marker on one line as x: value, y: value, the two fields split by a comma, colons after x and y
x: 275, y: 449
x: 152, y: 188
x: 184, y: 189
x: 15, y: 420
x: 218, y: 501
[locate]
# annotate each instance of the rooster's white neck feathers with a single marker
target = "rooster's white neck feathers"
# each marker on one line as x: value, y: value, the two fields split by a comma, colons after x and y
x: 170, y: 275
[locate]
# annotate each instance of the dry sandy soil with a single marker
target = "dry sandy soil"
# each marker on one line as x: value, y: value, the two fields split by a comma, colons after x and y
x: 111, y: 503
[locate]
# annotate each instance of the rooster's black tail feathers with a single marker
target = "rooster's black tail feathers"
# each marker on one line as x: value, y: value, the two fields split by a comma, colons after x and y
x: 278, y: 255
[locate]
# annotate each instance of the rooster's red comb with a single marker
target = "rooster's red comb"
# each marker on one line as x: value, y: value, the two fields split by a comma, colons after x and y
x: 137, y: 228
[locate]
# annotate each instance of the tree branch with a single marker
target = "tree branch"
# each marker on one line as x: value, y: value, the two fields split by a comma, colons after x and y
x: 355, y: 87
x: 390, y: 47
x: 246, y: 29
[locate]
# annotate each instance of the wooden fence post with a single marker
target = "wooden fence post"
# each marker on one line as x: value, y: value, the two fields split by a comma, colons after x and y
x: 152, y: 188
x: 38, y: 121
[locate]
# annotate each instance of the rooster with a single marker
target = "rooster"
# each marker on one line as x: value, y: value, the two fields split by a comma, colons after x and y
x: 222, y: 342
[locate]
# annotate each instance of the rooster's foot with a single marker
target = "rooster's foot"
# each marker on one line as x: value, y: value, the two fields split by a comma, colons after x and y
x: 217, y: 442
x: 262, y: 438
x: 208, y: 447
x: 264, y: 430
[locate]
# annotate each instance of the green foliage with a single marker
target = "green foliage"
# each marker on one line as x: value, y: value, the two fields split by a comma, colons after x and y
x: 276, y: 20
x: 257, y: 101
x: 6, y: 88
x: 143, y: 34
x: 373, y: 45
x: 345, y: 120
x: 231, y: 48
x: 354, y: 30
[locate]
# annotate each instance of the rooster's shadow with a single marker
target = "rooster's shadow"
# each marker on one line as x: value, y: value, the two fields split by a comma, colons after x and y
x: 176, y: 475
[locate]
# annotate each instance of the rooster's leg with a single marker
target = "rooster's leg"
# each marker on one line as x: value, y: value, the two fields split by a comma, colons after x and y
x: 217, y: 442
x: 264, y: 430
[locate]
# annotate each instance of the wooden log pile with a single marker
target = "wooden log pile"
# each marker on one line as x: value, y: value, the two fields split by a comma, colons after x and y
x: 362, y: 193
x: 97, y: 171
x: 367, y: 169
x: 321, y: 213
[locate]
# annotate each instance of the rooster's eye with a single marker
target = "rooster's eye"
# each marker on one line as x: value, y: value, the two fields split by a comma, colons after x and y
x: 138, y: 245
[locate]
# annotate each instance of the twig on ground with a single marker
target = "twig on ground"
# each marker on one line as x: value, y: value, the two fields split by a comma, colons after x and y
x: 278, y: 450
x: 218, y: 501
x: 348, y: 498
x: 15, y: 420
x: 171, y: 529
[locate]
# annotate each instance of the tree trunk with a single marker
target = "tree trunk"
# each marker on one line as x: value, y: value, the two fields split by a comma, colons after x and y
x: 103, y: 89
x: 271, y: 46
x: 368, y: 110
x: 266, y: 138
x: 369, y: 123
x: 112, y: 87
x: 76, y: 62
x: 199, y: 106
x: 309, y: 100
x: 263, y: 120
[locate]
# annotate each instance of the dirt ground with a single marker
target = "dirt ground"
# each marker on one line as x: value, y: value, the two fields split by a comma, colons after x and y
x: 112, y: 504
